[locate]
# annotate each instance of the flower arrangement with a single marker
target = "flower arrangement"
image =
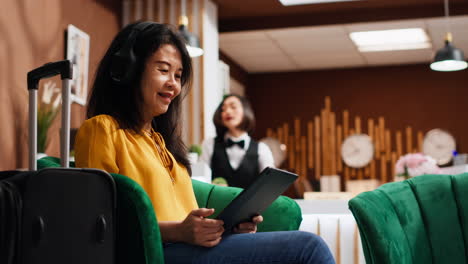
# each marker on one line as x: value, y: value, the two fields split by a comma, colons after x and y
x: 415, y: 164
x: 48, y: 109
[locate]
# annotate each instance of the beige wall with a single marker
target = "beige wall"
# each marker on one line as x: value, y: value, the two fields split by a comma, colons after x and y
x: 31, y: 34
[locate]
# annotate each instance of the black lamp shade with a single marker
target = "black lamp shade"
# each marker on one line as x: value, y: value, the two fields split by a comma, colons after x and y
x: 191, y: 39
x: 449, y: 58
x: 193, y: 44
x: 449, y: 52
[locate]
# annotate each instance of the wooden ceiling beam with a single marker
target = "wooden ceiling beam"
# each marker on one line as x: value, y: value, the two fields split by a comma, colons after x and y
x: 343, y: 17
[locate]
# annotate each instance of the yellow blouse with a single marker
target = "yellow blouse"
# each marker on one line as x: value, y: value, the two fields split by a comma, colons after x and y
x: 101, y: 144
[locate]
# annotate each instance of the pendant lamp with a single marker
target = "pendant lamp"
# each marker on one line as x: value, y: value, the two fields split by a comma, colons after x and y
x: 449, y: 58
x: 192, y: 42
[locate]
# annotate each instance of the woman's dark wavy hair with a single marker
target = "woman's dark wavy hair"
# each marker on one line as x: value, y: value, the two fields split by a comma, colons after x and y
x: 248, y: 120
x: 124, y: 102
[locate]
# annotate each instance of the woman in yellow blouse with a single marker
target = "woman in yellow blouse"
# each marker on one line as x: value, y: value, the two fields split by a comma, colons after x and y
x: 134, y: 129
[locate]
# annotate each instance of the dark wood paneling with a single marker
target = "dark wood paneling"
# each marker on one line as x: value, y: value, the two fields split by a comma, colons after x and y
x: 405, y: 95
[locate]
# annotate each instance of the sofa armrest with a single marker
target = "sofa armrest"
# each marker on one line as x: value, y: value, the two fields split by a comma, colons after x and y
x: 282, y: 215
x: 138, y: 237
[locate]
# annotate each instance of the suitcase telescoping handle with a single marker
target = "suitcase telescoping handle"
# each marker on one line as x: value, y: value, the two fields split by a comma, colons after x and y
x: 64, y: 68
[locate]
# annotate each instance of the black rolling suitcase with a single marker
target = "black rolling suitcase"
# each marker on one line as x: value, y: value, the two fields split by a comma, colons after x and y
x: 56, y: 215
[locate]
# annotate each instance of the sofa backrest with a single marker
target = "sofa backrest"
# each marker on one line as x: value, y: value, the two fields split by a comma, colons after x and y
x: 420, y: 220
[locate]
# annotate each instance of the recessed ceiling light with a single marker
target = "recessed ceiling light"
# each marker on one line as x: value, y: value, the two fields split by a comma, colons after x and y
x: 394, y: 39
x: 308, y: 2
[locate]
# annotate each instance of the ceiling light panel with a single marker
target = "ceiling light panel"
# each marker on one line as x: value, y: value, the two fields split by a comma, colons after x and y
x: 394, y: 39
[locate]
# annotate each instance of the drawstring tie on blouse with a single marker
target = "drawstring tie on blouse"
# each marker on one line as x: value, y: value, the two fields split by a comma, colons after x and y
x: 163, y: 152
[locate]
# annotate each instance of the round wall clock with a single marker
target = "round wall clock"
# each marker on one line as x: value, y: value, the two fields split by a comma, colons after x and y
x: 439, y: 144
x: 357, y: 150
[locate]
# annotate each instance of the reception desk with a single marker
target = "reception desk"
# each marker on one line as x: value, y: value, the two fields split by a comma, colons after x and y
x: 332, y: 220
x: 454, y: 170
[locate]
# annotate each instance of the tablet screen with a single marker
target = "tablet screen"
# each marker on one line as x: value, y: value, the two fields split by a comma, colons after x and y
x: 268, y: 186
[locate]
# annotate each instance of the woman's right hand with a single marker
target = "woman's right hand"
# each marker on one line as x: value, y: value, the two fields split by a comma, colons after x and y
x: 198, y: 230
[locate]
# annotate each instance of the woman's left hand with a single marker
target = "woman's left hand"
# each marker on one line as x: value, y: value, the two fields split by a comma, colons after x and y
x: 249, y: 227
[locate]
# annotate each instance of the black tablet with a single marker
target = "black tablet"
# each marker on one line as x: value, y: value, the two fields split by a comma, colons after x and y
x: 253, y: 200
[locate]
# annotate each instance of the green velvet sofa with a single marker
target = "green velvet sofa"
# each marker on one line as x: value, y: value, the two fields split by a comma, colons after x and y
x: 138, y: 236
x: 420, y: 220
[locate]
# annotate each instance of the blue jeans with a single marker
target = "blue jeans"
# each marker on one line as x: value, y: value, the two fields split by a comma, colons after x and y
x: 288, y: 247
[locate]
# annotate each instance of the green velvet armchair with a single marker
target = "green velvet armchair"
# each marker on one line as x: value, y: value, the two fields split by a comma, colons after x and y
x: 420, y: 220
x: 138, y: 236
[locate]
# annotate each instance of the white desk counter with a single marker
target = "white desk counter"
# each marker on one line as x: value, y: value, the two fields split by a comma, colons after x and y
x: 454, y: 170
x: 332, y: 220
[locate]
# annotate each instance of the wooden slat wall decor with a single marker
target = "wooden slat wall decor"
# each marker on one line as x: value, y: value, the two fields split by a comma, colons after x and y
x: 310, y: 145
x: 376, y: 138
x: 382, y: 132
x: 399, y: 142
x: 126, y: 11
x: 345, y: 123
x: 372, y: 172
x: 324, y: 142
x: 388, y: 144
x: 339, y: 138
x: 280, y: 134
x: 393, y: 161
x: 149, y: 7
x: 409, y: 139
x: 291, y: 154
x: 163, y: 11
x: 357, y: 124
x: 317, y: 150
x: 286, y: 134
x: 297, y: 133
x: 303, y: 158
x: 370, y: 132
x: 332, y: 144
x: 347, y: 174
x: 383, y: 169
x: 420, y: 141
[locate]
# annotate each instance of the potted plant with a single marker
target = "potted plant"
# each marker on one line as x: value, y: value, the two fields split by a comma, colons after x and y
x: 194, y: 152
x: 48, y: 109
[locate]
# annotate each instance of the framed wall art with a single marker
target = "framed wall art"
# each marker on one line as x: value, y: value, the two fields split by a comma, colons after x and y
x: 78, y: 54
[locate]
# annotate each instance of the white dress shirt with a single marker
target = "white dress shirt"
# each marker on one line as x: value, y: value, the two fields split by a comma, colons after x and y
x: 236, y: 154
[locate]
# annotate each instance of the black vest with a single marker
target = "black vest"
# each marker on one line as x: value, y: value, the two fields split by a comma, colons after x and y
x: 247, y: 171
